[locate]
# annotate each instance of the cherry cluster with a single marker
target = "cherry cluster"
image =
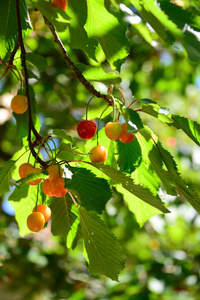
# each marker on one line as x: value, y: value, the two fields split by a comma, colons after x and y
x: 114, y: 131
x: 54, y: 185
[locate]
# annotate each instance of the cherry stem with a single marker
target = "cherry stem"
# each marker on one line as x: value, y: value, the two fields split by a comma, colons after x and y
x: 77, y: 72
x: 132, y: 103
x: 99, y: 123
x: 122, y: 94
x: 114, y: 109
x: 87, y: 108
x: 73, y: 199
x: 37, y: 198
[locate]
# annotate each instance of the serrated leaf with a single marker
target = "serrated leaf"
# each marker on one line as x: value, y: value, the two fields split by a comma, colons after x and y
x: 147, y: 141
x: 190, y: 127
x: 108, y: 31
x: 92, y: 192
x: 140, y: 209
x: 64, y: 221
x: 62, y: 134
x: 98, y: 74
x: 104, y: 252
x: 192, y: 197
x: 67, y: 152
x: 24, y: 207
x: 129, y: 155
x: 56, y: 16
x: 8, y: 25
x: 133, y: 120
x: 127, y: 182
x: 37, y: 60
x: 78, y: 35
x: 30, y: 177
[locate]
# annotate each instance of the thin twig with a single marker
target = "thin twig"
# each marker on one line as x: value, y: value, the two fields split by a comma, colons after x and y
x: 77, y: 72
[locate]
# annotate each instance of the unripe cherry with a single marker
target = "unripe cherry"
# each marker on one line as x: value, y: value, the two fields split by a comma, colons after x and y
x: 19, y: 104
x: 58, y: 187
x: 113, y: 130
x: 24, y: 169
x: 98, y: 154
x: 46, y: 187
x: 45, y: 210
x: 35, y: 221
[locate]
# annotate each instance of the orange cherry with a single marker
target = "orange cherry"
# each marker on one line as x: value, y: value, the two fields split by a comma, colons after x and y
x: 35, y: 221
x: 98, y: 154
x: 58, y: 187
x: 113, y: 130
x: 126, y: 137
x: 19, y: 104
x: 45, y: 210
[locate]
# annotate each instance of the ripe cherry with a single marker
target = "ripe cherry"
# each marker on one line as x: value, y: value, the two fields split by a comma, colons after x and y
x: 98, y: 154
x: 46, y: 187
x: 126, y: 137
x: 31, y: 171
x: 19, y: 104
x: 54, y: 171
x: 60, y: 3
x: 113, y: 130
x: 58, y: 187
x: 35, y: 221
x: 24, y: 169
x: 86, y: 129
x: 45, y: 210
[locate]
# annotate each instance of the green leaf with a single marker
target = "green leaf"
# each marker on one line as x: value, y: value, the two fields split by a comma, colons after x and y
x: 78, y: 35
x: 5, y: 176
x: 108, y: 31
x: 98, y: 74
x: 64, y: 221
x: 192, y: 197
x: 190, y: 127
x: 104, y: 252
x: 61, y: 134
x: 36, y: 60
x: 133, y: 120
x: 24, y: 207
x: 147, y: 141
x: 19, y: 193
x: 67, y: 152
x: 140, y: 209
x: 92, y: 192
x: 8, y: 25
x: 127, y: 183
x: 56, y: 16
x: 129, y: 156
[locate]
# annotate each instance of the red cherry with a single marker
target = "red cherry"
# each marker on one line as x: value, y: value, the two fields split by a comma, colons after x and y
x: 98, y: 154
x: 60, y: 3
x: 86, y: 129
x: 125, y: 136
x: 113, y: 130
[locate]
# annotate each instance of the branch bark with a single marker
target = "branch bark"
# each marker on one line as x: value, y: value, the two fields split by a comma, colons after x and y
x: 77, y: 72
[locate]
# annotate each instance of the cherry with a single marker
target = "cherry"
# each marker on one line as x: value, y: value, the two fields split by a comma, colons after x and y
x: 126, y: 137
x: 31, y: 171
x: 60, y: 3
x: 46, y: 187
x: 45, y: 210
x: 19, y: 104
x: 86, y: 129
x: 35, y: 221
x: 54, y: 171
x: 113, y: 130
x: 24, y: 169
x: 58, y: 187
x: 98, y: 154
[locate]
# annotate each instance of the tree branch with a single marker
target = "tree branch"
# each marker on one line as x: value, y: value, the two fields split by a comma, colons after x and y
x: 77, y: 72
x: 23, y: 62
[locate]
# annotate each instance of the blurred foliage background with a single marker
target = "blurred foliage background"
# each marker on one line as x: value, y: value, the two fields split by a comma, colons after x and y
x: 163, y: 257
